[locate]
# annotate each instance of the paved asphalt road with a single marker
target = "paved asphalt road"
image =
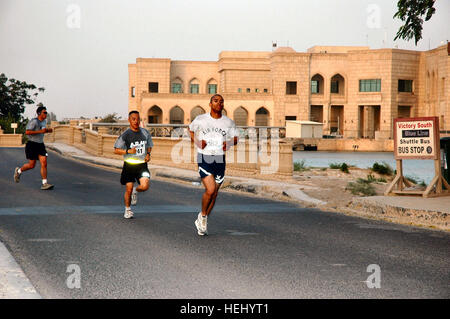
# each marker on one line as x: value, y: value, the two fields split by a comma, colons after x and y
x: 257, y: 248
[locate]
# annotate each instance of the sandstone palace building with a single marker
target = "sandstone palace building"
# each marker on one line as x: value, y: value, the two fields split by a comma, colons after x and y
x: 355, y: 92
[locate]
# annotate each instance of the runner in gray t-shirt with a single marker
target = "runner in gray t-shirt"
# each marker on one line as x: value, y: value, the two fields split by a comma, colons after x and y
x: 35, y: 125
x: 35, y: 148
x: 135, y: 144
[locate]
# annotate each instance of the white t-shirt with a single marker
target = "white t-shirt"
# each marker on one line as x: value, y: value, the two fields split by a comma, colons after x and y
x: 214, y: 132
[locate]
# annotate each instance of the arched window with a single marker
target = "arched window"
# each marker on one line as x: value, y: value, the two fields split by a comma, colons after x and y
x: 196, y: 111
x: 177, y: 85
x: 262, y: 117
x: 155, y: 115
x: 211, y: 86
x: 240, y: 116
x: 194, y: 86
x: 337, y: 84
x: 317, y: 84
x: 176, y: 115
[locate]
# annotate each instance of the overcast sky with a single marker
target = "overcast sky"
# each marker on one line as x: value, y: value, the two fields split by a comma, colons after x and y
x: 79, y: 50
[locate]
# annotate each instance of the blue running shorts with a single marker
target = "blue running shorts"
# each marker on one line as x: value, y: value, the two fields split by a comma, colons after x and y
x: 211, y: 165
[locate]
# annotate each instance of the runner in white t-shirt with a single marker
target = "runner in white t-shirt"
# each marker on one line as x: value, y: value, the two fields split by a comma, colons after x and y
x: 213, y: 134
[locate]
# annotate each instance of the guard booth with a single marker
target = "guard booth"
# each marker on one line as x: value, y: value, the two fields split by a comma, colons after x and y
x: 418, y: 138
x: 304, y: 129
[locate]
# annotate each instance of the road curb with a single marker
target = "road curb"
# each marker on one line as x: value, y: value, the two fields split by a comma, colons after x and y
x: 14, y: 284
x: 425, y: 218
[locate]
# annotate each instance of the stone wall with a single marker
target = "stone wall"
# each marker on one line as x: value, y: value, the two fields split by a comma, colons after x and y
x: 362, y: 145
x: 10, y: 140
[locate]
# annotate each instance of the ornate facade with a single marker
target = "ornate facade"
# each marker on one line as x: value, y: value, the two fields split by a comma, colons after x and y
x: 355, y: 92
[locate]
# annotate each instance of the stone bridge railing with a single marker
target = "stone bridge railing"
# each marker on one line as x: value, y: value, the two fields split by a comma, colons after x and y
x: 169, y: 130
x: 254, y: 154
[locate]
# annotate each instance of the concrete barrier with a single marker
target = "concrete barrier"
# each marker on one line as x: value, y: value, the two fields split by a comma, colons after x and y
x: 10, y: 140
x: 361, y: 145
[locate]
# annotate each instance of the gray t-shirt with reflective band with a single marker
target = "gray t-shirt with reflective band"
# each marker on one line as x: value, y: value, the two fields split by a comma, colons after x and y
x: 36, y: 125
x: 140, y: 140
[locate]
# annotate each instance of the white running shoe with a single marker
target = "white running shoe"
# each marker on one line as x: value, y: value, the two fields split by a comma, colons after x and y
x: 16, y: 175
x: 202, y: 225
x: 128, y: 214
x: 134, y: 197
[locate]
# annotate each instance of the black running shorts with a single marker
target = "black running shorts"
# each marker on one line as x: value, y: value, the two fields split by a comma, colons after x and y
x: 133, y: 172
x: 34, y: 149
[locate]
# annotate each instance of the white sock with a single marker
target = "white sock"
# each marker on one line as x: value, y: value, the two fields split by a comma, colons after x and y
x: 127, y: 208
x: 19, y: 171
x: 134, y: 189
x: 44, y: 181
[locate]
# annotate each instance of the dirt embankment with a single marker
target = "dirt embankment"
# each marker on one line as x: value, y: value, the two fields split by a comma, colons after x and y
x: 334, y: 188
x: 332, y: 185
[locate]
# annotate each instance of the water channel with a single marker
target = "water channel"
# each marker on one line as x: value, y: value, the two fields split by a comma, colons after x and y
x: 419, y: 170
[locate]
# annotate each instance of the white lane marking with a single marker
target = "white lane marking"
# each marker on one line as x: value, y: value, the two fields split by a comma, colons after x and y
x: 338, y: 265
x: 49, y: 240
x: 239, y: 233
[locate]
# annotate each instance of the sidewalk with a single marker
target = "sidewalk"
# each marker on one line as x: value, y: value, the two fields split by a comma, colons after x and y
x: 409, y: 210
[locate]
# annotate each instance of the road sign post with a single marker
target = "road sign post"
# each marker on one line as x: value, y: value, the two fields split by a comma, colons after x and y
x: 14, y: 126
x: 417, y: 138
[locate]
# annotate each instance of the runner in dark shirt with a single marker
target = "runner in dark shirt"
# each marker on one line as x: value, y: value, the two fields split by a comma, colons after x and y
x: 135, y: 144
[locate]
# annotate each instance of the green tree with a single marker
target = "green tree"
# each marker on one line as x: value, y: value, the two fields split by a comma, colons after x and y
x: 412, y: 13
x: 5, y: 125
x: 15, y: 95
x: 110, y: 118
